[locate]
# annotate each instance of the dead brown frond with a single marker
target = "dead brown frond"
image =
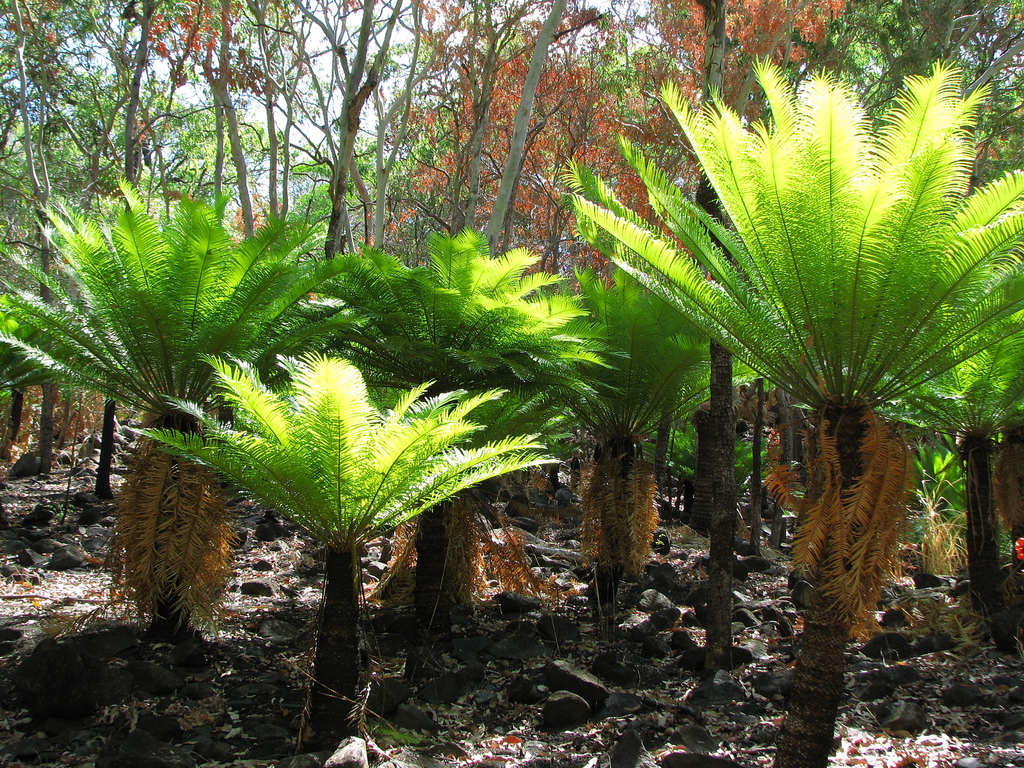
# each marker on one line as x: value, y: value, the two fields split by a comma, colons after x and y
x: 848, y: 530
x: 172, y: 542
x: 464, y: 561
x: 619, y: 514
x: 782, y: 479
x: 397, y: 585
x: 504, y: 552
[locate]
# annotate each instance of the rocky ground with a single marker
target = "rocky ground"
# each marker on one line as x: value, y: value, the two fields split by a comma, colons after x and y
x: 529, y: 683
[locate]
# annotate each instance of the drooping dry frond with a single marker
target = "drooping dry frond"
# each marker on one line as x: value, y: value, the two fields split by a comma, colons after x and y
x: 848, y: 529
x: 619, y: 514
x: 172, y: 542
x: 464, y: 561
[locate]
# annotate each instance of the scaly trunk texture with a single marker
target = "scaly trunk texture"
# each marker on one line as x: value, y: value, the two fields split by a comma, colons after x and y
x: 334, y: 695
x: 106, y: 460
x: 807, y: 732
x: 723, y: 518
x: 433, y: 608
x: 703, y: 478
x: 976, y: 452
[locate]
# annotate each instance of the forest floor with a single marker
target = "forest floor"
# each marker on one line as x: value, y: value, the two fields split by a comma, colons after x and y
x: 237, y: 700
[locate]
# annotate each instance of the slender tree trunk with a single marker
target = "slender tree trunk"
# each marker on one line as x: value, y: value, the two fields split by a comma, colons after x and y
x: 723, y: 518
x: 334, y: 695
x: 661, y: 456
x: 433, y: 608
x: 131, y: 148
x: 976, y: 452
x: 106, y: 459
x: 755, y: 472
x: 700, y: 515
x: 17, y: 407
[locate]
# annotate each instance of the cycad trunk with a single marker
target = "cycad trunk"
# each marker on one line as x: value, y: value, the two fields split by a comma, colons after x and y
x: 619, y: 515
x: 703, y: 472
x: 335, y: 693
x: 1009, y: 485
x: 14, y: 425
x: 171, y: 554
x: 976, y: 452
x: 106, y: 460
x: 433, y: 607
x: 850, y: 518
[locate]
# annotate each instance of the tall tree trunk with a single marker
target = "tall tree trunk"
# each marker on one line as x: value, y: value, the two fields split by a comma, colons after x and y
x: 513, y: 162
x: 723, y: 517
x: 17, y: 408
x: 432, y: 604
x: 661, y: 456
x: 334, y: 694
x: 756, y: 493
x: 976, y: 452
x: 131, y: 138
x: 703, y: 499
x: 106, y: 458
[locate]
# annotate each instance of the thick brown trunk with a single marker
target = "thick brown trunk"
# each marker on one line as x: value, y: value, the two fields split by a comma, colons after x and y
x: 433, y: 609
x: 723, y: 519
x: 334, y: 695
x: 807, y: 732
x: 703, y: 499
x: 756, y: 494
x: 982, y: 528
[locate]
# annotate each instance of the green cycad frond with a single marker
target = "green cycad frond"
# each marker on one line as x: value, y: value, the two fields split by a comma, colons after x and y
x: 463, y: 321
x: 862, y: 266
x: 154, y: 301
x: 16, y: 370
x: 656, y: 362
x: 323, y: 456
x: 979, y: 397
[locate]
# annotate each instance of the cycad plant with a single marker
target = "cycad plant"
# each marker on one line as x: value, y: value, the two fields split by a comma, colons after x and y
x: 858, y: 266
x: 975, y: 401
x: 148, y: 305
x: 322, y: 455
x: 463, y: 320
x: 655, y: 365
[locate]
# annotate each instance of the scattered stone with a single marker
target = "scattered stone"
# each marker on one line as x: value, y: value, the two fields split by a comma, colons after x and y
x: 270, y: 530
x: 163, y: 727
x: 959, y: 695
x: 27, y: 465
x: 90, y: 516
x: 928, y: 581
x: 446, y: 689
x: 465, y: 648
x: 558, y: 629
x: 969, y: 762
x: 263, y: 565
x: 757, y: 564
x: 46, y: 546
x: 412, y: 718
x: 562, y: 676
x: 86, y: 499
x: 57, y: 679
x: 258, y: 588
x: 190, y: 653
x: 523, y: 690
x: 936, y: 643
x: 277, y: 631
x: 695, y: 738
x: 351, y: 753
x: 629, y: 752
x: 894, y: 618
x: 66, y: 558
x: 216, y: 751
x: 745, y: 617
x: 28, y: 558
x: 307, y: 760
x: 1007, y: 628
x: 563, y: 497
x: 696, y: 760
x: 513, y: 602
x: 719, y: 688
x: 119, y: 641
x: 888, y: 645
x: 619, y: 705
x: 661, y: 542
x: 386, y: 693
x: 9, y: 633
x: 652, y: 600
x: 564, y: 709
x: 608, y: 667
x: 692, y: 658
x: 776, y: 683
x: 518, y: 647
x: 802, y: 592
x: 198, y: 691
x: 905, y: 716
x: 154, y: 679
x: 140, y: 748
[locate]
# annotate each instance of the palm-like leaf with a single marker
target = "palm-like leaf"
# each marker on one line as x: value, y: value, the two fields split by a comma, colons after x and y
x: 152, y: 302
x: 17, y: 371
x: 859, y: 267
x: 324, y: 457
x: 656, y: 361
x: 464, y: 321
